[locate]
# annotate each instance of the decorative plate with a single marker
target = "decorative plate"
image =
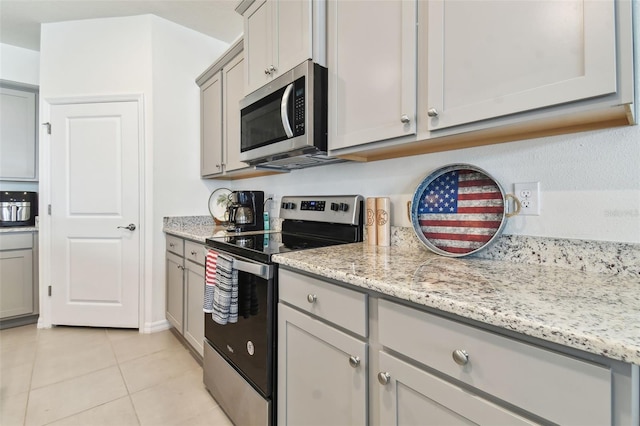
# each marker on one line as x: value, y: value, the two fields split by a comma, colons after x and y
x: 218, y: 203
x: 459, y: 209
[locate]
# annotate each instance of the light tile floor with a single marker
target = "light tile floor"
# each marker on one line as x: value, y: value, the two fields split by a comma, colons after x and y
x: 92, y: 376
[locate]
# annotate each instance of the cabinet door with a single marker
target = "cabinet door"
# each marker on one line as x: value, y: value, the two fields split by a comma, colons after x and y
x: 317, y: 385
x: 194, y: 299
x: 233, y: 93
x: 16, y: 282
x: 258, y: 44
x: 175, y: 290
x: 17, y: 135
x: 293, y: 34
x: 412, y: 396
x: 211, y: 126
x: 371, y: 58
x: 492, y: 58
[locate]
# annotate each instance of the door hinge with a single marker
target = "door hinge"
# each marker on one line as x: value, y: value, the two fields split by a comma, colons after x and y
x: 49, y: 209
x: 48, y: 127
x: 49, y: 290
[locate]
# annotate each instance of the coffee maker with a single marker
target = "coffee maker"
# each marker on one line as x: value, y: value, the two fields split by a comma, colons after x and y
x: 245, y: 211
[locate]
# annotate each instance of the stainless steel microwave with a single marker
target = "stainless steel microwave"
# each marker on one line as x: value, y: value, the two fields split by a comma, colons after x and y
x: 284, y: 123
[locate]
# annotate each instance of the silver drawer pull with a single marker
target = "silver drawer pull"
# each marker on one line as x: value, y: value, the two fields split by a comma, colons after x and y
x: 180, y: 267
x: 311, y: 298
x: 194, y: 253
x: 460, y: 356
x: 354, y: 361
x: 432, y: 112
x: 172, y: 245
x: 384, y: 378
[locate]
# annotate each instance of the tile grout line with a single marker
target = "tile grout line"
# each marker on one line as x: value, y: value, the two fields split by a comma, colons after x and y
x: 126, y: 386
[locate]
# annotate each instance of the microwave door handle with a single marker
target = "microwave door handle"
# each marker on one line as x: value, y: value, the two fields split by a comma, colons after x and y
x: 283, y: 110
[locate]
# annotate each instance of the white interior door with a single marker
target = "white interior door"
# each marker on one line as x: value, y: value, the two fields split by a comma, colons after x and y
x: 95, y: 260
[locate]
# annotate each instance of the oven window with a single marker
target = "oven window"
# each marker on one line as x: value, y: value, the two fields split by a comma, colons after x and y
x: 248, y: 344
x: 261, y: 122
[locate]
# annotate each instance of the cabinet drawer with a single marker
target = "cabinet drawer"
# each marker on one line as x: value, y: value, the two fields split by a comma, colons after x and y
x: 194, y: 252
x: 556, y: 387
x: 17, y: 241
x: 341, y: 306
x: 175, y: 245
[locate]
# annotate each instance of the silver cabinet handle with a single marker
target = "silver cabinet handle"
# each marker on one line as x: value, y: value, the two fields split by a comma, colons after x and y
x: 311, y: 298
x: 432, y: 112
x: 180, y: 267
x: 266, y: 71
x: 130, y: 227
x: 172, y: 245
x: 460, y: 356
x: 384, y: 378
x: 194, y: 253
x: 405, y: 119
x: 354, y: 361
x: 272, y: 69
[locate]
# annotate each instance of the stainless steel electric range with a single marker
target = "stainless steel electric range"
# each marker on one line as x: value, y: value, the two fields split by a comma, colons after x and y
x: 240, y: 358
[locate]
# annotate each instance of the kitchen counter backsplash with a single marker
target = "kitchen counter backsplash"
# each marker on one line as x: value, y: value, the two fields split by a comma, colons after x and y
x: 621, y: 259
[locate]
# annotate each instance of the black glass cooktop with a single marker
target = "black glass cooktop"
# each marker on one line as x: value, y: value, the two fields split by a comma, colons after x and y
x: 261, y: 247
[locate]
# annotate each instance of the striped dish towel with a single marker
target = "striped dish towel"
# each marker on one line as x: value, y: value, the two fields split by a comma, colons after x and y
x: 225, y: 297
x: 210, y: 280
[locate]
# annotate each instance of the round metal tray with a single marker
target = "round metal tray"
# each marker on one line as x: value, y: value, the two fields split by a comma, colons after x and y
x: 459, y: 209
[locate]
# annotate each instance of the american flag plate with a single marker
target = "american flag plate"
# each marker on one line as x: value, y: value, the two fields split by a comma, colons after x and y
x: 458, y: 210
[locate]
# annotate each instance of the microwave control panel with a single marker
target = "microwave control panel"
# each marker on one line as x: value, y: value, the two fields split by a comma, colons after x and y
x: 299, y: 107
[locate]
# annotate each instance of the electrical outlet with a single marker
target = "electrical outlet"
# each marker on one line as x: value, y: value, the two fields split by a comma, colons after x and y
x: 529, y: 195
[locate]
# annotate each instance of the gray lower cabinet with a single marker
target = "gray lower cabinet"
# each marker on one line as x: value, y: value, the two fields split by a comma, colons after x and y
x: 185, y: 289
x: 322, y: 368
x: 18, y: 276
x: 423, y: 368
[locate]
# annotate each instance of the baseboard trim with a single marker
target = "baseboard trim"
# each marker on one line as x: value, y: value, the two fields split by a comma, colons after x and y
x: 156, y: 326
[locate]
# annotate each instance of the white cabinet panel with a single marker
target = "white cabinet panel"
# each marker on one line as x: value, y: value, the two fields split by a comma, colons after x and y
x: 16, y: 282
x: 233, y: 90
x: 175, y: 292
x: 490, y: 58
x: 211, y: 126
x: 317, y: 384
x: 18, y: 147
x: 258, y: 41
x: 372, y: 71
x: 194, y: 299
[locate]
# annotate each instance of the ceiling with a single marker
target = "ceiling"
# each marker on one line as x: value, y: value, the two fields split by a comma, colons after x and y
x: 20, y: 19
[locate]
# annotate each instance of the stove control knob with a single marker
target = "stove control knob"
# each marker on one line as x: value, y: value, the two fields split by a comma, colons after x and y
x: 344, y: 207
x: 335, y: 207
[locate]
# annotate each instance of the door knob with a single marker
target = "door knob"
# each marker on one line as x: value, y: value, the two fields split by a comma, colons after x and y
x: 130, y: 227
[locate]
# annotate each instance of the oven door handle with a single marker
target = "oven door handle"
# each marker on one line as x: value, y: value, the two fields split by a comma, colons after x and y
x: 257, y: 269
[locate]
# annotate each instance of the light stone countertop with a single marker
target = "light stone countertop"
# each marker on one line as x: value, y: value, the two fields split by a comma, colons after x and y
x: 580, y: 294
x: 11, y: 229
x: 594, y: 312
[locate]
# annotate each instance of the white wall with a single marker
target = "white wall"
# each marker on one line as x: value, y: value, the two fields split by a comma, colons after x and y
x: 590, y: 182
x: 147, y: 56
x: 179, y: 56
x: 19, y: 65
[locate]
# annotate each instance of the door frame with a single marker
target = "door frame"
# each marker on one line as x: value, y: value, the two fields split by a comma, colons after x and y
x: 44, y: 195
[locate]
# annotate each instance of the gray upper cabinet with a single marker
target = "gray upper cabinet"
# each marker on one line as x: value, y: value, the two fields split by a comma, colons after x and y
x: 490, y: 58
x: 233, y: 92
x: 420, y: 76
x: 280, y: 34
x: 18, y: 136
x: 372, y: 71
x: 211, y: 126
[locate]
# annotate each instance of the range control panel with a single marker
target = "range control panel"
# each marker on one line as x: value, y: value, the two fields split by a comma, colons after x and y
x: 322, y: 208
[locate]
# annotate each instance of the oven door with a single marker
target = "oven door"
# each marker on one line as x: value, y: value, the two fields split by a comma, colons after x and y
x: 249, y: 344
